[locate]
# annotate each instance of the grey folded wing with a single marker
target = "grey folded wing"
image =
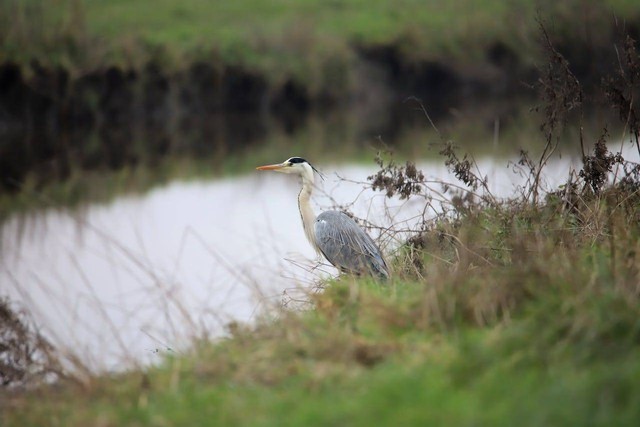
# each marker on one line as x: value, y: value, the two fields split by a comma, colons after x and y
x: 347, y: 246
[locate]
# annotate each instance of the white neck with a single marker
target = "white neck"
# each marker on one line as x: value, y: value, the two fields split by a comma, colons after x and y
x: 308, y: 217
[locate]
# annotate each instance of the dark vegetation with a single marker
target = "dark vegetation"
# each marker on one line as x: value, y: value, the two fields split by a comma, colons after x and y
x: 26, y: 358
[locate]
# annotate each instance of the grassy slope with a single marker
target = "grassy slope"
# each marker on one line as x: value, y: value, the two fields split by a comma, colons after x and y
x: 510, y: 316
x: 280, y: 36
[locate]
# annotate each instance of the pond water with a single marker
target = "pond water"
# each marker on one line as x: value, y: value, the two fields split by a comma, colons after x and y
x: 121, y: 283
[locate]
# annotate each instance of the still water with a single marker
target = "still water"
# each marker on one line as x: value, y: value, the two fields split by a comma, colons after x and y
x: 122, y: 283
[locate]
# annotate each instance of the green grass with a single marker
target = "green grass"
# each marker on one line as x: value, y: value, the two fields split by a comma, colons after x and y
x: 283, y: 37
x: 391, y: 395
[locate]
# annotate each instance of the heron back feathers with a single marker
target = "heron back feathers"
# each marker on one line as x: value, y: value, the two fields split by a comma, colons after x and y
x: 347, y: 246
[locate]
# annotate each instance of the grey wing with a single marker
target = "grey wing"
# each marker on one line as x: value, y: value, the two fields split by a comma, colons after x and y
x: 347, y: 246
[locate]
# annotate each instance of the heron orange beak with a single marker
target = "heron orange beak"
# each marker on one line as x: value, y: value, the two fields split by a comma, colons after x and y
x: 271, y: 167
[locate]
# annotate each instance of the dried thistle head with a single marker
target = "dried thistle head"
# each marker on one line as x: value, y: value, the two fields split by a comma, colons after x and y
x: 394, y: 179
x: 597, y: 167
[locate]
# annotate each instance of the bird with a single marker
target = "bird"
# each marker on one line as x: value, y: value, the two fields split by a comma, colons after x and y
x: 333, y: 234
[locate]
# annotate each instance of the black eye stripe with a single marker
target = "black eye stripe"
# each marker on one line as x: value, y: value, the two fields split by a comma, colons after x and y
x: 297, y: 160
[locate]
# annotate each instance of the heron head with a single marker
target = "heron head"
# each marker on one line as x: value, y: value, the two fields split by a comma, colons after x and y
x: 296, y: 165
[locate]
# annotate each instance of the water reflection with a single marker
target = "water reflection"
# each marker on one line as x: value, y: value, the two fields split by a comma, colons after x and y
x: 115, y: 283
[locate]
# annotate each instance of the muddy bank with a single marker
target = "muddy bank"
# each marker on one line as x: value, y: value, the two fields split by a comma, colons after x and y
x: 51, y: 123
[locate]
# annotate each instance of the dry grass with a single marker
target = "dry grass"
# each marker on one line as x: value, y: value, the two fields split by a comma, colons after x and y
x: 26, y: 357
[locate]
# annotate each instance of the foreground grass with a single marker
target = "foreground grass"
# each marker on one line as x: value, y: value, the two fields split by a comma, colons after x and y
x: 505, y: 315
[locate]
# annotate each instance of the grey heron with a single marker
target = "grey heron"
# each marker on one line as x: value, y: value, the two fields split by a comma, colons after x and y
x: 333, y: 234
